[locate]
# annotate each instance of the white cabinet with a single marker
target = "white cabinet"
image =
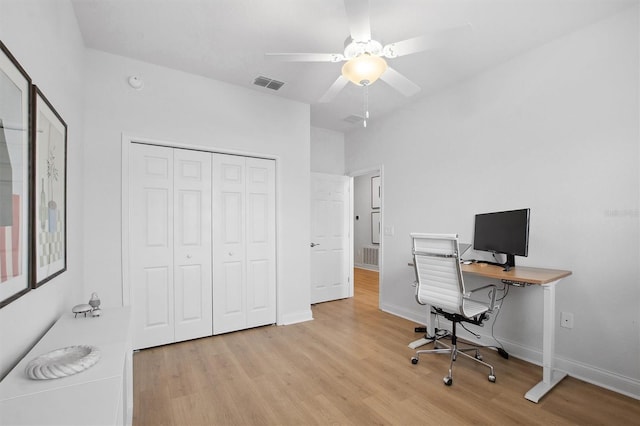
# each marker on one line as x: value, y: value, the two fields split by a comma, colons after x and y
x: 100, y: 395
x: 244, y: 289
x: 170, y: 244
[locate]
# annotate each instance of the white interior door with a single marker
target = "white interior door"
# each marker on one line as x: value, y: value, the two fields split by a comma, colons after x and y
x: 151, y: 240
x: 192, y: 244
x: 244, y: 291
x: 330, y: 230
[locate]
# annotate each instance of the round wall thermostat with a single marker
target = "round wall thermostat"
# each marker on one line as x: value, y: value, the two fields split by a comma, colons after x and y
x: 136, y: 82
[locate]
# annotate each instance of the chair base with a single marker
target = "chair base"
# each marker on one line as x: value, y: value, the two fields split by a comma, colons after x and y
x: 453, y: 350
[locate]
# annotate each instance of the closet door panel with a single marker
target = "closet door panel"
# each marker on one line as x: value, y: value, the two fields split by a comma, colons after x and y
x: 191, y: 277
x: 258, y: 286
x: 260, y: 242
x: 151, y: 242
x: 231, y: 209
x: 192, y: 244
x: 156, y: 217
x: 229, y: 309
x: 157, y: 285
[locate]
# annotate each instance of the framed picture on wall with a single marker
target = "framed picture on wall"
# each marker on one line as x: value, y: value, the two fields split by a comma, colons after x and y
x: 50, y: 190
x: 375, y: 227
x: 15, y: 146
x: 375, y: 192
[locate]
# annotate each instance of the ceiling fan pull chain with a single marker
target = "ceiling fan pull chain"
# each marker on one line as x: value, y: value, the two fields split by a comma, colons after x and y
x: 366, y: 104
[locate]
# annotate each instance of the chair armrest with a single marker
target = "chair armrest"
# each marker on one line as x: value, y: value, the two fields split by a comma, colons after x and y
x: 492, y: 302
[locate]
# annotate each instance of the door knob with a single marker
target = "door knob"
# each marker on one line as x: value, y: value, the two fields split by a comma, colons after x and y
x: 188, y: 256
x: 314, y: 244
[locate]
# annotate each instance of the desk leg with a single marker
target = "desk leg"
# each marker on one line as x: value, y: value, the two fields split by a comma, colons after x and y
x: 550, y: 376
x: 430, y: 332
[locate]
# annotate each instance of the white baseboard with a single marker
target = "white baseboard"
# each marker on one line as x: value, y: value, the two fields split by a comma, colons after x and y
x: 364, y: 266
x: 402, y: 312
x: 606, y: 379
x: 296, y: 317
x: 596, y: 376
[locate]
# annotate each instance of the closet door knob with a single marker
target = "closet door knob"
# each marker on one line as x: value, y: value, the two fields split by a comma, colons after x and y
x: 188, y: 256
x: 230, y: 253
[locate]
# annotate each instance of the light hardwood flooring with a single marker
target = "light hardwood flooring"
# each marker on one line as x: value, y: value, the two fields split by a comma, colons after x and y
x: 350, y: 366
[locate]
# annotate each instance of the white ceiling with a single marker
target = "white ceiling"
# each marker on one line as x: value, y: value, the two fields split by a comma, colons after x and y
x: 226, y: 40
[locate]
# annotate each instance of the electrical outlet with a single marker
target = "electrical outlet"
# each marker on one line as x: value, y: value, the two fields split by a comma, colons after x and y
x: 566, y: 319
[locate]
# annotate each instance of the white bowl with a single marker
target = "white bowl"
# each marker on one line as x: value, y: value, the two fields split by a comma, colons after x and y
x: 62, y: 362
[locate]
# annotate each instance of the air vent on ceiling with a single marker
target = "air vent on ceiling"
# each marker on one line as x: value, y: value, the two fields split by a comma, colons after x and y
x: 353, y: 119
x: 269, y: 83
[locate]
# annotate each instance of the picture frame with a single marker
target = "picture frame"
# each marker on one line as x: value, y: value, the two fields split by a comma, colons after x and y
x: 375, y: 227
x: 49, y: 191
x: 375, y: 192
x: 15, y: 165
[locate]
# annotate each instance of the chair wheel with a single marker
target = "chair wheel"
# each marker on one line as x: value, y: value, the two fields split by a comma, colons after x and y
x: 448, y: 381
x: 492, y: 378
x: 414, y: 360
x: 479, y: 357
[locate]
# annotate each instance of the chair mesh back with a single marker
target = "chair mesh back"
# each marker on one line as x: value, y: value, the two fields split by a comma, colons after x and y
x: 438, y: 271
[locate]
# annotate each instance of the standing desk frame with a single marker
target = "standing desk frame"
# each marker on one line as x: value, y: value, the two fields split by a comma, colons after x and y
x: 548, y: 279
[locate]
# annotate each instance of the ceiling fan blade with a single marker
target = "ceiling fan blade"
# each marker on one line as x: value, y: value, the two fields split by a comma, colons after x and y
x: 305, y: 57
x: 335, y: 88
x: 358, y: 18
x: 427, y: 42
x: 399, y: 82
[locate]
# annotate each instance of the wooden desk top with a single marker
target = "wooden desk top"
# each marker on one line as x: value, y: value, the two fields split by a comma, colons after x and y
x: 517, y: 273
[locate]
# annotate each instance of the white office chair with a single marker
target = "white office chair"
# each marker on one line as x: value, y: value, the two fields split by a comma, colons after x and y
x: 439, y: 284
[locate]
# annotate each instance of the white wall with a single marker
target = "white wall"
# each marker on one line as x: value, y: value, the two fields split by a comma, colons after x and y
x: 45, y: 39
x: 177, y: 107
x: 362, y: 209
x: 186, y: 109
x: 327, y: 151
x: 557, y: 130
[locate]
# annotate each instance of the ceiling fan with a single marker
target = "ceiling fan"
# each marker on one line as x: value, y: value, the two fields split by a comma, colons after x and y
x: 365, y: 57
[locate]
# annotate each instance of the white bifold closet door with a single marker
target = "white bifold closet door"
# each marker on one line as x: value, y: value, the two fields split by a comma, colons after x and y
x: 170, y: 244
x: 244, y: 289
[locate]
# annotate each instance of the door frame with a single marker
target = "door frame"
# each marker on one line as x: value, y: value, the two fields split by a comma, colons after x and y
x: 361, y: 172
x: 126, y: 141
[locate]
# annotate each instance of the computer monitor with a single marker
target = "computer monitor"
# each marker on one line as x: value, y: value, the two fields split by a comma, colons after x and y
x: 504, y: 232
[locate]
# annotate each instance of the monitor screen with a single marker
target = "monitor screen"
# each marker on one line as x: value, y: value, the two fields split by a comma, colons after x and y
x: 503, y: 232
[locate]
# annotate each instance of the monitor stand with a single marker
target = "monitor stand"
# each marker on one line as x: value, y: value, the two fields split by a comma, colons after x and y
x: 510, y: 263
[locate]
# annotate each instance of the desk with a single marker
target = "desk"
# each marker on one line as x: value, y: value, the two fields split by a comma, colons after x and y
x: 547, y: 278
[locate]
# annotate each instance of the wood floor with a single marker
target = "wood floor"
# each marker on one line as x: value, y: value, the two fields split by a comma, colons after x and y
x: 350, y: 366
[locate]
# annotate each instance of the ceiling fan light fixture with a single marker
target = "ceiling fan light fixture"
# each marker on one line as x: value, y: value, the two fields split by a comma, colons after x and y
x: 364, y: 69
x: 353, y: 48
